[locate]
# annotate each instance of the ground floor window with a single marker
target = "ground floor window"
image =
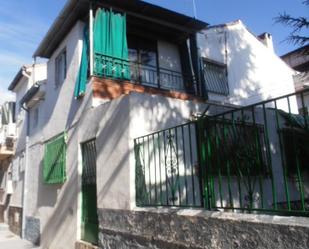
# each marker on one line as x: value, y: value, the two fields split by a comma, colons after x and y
x: 54, y: 164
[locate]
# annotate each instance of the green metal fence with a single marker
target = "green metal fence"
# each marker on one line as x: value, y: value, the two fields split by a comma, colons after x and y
x: 250, y: 159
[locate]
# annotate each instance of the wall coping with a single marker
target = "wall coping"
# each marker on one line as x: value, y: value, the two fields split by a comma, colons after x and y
x: 241, y: 217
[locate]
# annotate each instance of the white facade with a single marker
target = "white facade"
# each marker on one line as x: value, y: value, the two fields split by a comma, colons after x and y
x: 255, y: 72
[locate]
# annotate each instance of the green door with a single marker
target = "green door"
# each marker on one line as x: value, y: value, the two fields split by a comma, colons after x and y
x: 89, y: 193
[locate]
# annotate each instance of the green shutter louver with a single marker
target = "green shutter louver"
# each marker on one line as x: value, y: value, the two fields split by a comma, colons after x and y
x: 54, y: 164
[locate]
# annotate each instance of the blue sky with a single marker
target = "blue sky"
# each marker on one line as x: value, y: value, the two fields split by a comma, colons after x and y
x: 23, y: 23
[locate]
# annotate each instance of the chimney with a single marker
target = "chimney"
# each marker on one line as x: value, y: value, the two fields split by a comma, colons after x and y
x: 267, y: 40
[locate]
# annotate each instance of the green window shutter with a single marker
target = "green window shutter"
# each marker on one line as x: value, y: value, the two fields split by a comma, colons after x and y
x: 54, y: 164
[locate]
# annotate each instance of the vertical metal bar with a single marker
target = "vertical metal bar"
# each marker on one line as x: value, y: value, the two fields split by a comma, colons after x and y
x: 166, y: 176
x: 149, y: 172
x: 185, y: 162
x: 155, y: 166
x: 259, y: 159
x: 299, y: 177
x: 192, y: 164
x: 284, y: 168
x: 171, y: 166
x: 228, y: 168
x: 274, y: 193
x: 177, y: 158
x: 160, y: 169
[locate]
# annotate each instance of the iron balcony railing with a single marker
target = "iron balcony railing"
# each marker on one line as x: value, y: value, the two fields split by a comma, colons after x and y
x: 147, y: 75
x: 250, y: 159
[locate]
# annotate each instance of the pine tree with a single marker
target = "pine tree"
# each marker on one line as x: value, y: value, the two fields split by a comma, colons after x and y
x: 299, y: 26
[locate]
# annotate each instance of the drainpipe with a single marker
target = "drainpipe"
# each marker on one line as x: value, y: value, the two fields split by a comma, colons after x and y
x: 25, y: 187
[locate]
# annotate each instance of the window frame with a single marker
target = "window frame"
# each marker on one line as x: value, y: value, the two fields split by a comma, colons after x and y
x: 61, y: 54
x: 225, y: 91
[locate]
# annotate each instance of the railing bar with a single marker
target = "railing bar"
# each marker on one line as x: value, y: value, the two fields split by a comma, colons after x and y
x: 166, y: 176
x: 177, y: 158
x: 234, y: 130
x: 149, y: 171
x: 261, y: 103
x: 144, y: 160
x: 184, y: 162
x: 155, y: 166
x: 218, y: 165
x: 167, y: 129
x: 159, y: 149
x: 228, y: 169
x: 300, y: 182
x: 209, y: 176
x: 192, y: 165
x: 259, y: 151
x: 269, y: 157
x: 287, y: 192
x: 171, y: 166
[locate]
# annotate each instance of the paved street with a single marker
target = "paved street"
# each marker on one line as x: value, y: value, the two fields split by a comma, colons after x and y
x: 9, y: 240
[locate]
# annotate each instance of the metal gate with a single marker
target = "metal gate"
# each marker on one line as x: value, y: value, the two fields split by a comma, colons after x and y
x: 89, y: 193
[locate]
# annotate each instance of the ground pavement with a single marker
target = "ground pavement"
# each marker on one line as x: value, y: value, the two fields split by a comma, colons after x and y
x: 9, y: 240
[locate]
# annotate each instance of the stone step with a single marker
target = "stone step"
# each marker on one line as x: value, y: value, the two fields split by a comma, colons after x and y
x: 4, y: 227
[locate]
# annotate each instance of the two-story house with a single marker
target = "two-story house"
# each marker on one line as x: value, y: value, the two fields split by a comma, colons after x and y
x: 116, y: 71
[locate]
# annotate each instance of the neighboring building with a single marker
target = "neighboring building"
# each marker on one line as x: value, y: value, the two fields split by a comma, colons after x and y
x: 84, y: 166
x: 14, y: 126
x: 7, y: 150
x: 299, y: 61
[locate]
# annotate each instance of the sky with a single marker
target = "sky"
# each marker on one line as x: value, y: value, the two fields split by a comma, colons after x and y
x: 23, y: 24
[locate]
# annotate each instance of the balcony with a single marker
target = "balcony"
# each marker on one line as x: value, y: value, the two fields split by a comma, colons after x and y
x: 152, y: 78
x: 7, y: 140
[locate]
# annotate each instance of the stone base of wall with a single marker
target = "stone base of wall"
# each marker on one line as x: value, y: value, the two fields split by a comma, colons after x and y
x: 32, y: 230
x: 2, y: 208
x: 194, y: 229
x: 15, y: 219
x: 84, y: 245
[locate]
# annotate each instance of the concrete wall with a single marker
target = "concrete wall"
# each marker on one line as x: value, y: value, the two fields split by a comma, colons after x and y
x: 255, y: 73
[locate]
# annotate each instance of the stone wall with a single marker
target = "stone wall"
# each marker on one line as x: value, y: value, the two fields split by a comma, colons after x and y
x: 84, y: 245
x: 161, y: 229
x: 15, y: 219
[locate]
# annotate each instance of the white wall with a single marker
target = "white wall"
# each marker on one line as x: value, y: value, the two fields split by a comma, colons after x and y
x: 56, y: 205
x: 255, y: 73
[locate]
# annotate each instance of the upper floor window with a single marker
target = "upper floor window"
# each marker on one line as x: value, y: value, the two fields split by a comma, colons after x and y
x: 215, y: 77
x: 61, y: 68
